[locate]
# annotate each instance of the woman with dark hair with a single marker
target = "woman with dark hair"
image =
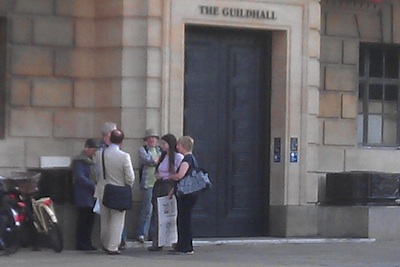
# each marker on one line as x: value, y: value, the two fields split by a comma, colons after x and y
x: 168, y: 164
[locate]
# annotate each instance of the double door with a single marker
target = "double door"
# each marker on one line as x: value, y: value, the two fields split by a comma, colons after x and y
x: 226, y: 111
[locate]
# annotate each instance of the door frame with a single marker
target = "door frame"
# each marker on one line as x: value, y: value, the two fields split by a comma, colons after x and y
x: 290, y: 37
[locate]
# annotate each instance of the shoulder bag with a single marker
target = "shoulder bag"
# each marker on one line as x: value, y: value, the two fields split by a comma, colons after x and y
x: 116, y: 197
x: 196, y: 181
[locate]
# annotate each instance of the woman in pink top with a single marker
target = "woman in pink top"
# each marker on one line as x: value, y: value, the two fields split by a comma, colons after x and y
x: 169, y: 162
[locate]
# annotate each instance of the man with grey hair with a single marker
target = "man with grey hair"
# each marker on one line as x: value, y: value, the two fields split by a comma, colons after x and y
x: 106, y: 130
x: 117, y: 170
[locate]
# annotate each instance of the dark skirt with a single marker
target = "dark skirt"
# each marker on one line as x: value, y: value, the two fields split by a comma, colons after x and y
x: 161, y: 188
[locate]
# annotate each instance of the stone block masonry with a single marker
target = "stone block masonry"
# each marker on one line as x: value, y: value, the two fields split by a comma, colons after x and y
x: 53, y: 31
x: 27, y: 59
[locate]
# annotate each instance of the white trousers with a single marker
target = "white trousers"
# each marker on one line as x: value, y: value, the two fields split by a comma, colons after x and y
x: 111, y: 227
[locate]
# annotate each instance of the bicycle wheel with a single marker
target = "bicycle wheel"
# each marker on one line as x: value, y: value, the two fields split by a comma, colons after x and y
x: 54, y: 233
x: 9, y: 235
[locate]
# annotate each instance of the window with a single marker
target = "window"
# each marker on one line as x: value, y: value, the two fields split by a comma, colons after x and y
x: 378, y: 105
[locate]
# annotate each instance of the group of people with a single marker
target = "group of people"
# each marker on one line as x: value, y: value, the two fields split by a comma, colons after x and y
x: 98, y: 164
x: 163, y: 162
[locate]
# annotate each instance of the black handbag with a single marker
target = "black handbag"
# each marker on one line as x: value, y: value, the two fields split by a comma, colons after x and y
x: 116, y: 197
x: 195, y: 181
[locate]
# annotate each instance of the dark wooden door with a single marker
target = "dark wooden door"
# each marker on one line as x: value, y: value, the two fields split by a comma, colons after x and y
x: 226, y: 111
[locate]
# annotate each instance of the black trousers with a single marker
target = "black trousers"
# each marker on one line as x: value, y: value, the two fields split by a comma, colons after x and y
x: 184, y: 221
x: 84, y: 227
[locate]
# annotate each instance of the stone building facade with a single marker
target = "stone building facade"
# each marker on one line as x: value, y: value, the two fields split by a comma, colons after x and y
x: 70, y: 65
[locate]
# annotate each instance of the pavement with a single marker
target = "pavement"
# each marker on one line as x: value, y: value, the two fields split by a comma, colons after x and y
x: 231, y: 252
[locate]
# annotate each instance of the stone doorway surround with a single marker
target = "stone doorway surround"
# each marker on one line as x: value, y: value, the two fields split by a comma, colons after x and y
x: 295, y: 82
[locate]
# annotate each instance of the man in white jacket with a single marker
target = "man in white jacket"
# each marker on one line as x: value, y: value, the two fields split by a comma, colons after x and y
x: 118, y: 171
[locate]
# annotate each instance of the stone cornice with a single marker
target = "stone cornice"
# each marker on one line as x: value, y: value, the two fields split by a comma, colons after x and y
x: 353, y: 4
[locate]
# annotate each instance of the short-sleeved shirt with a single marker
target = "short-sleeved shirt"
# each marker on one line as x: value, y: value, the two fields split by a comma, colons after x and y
x: 190, y: 161
x: 163, y: 169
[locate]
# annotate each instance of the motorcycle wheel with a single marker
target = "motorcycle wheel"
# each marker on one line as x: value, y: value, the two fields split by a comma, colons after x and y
x: 9, y: 235
x: 54, y: 233
x: 25, y: 234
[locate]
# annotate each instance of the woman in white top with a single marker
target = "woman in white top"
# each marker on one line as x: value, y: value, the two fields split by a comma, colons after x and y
x: 169, y: 162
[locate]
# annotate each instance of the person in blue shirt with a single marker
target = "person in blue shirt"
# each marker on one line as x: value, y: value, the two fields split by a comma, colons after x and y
x: 85, y: 173
x: 148, y: 159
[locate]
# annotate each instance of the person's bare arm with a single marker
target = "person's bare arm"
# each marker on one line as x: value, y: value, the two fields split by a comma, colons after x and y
x: 181, y: 173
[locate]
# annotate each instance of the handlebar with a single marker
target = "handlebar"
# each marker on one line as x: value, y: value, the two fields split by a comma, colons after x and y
x: 25, y: 183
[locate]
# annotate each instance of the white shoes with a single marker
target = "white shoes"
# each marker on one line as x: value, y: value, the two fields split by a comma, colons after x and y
x: 141, y: 239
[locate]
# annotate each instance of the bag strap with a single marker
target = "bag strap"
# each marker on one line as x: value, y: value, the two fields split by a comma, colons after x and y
x: 196, y: 166
x: 104, y: 167
x: 141, y: 165
x: 195, y: 163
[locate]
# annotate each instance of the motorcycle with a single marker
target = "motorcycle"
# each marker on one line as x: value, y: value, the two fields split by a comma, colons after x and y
x: 35, y: 215
x: 11, y: 218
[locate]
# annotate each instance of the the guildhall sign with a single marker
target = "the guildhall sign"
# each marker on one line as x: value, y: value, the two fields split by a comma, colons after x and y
x: 237, y: 12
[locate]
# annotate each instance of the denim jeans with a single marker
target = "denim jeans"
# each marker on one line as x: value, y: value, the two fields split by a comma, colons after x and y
x: 84, y: 227
x: 124, y: 236
x: 145, y: 226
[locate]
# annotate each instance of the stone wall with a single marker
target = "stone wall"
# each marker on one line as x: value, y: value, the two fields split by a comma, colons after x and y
x: 74, y: 64
x: 344, y: 25
x: 63, y: 81
x: 71, y: 66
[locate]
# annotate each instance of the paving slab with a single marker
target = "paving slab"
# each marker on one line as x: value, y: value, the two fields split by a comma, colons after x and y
x: 227, y: 252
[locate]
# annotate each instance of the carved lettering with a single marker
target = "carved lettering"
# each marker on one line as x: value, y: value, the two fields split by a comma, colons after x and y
x: 209, y: 10
x: 238, y: 12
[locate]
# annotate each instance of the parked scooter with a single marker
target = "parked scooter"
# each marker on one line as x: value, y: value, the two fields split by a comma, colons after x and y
x: 36, y: 216
x: 11, y: 217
